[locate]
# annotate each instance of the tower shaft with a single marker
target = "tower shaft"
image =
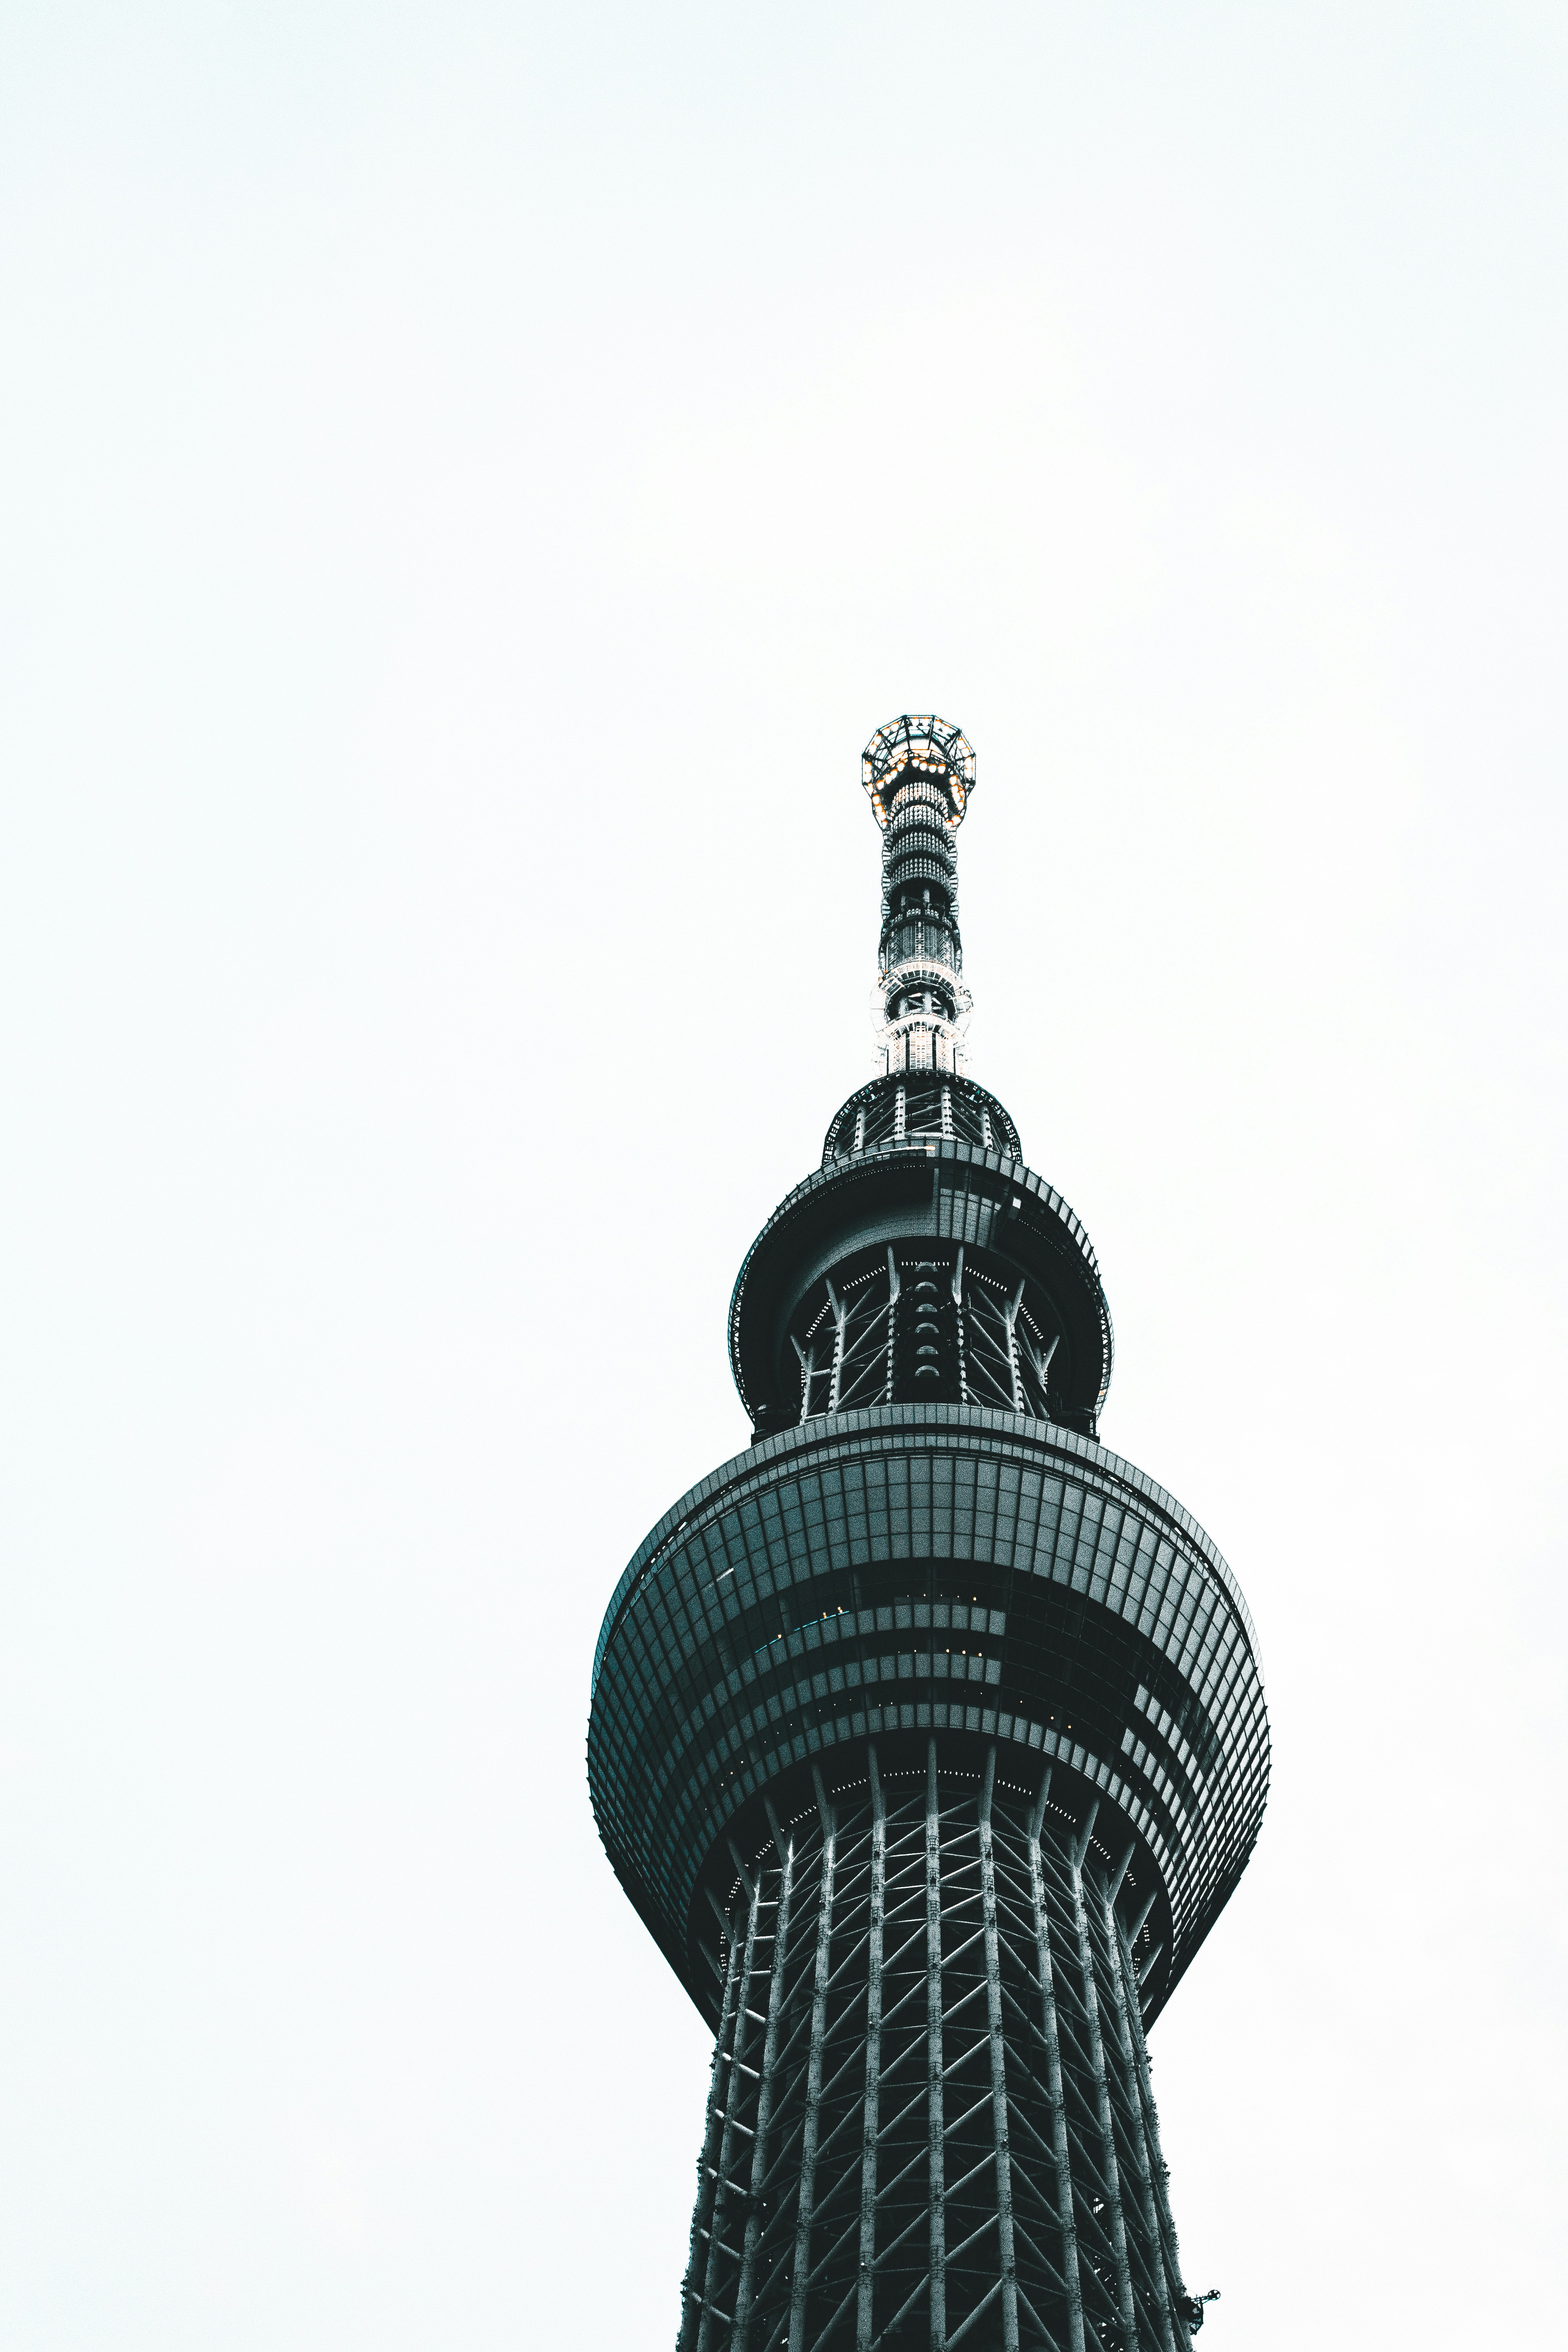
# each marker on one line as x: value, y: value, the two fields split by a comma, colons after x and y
x: 929, y: 2117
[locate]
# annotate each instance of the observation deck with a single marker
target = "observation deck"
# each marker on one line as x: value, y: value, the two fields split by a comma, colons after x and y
x: 911, y: 1569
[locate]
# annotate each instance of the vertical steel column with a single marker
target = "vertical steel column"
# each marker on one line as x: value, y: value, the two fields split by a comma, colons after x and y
x: 807, y: 1367
x: 998, y: 2063
x: 839, y: 1315
x: 1140, y: 2135
x: 873, y: 2058
x: 691, y: 2296
x: 745, y: 2285
x: 892, y: 1320
x: 934, y: 2143
x: 1016, y: 1375
x: 1151, y: 2113
x: 1041, y: 1364
x: 1065, y: 2217
x: 1101, y: 2088
x: 800, y: 2270
x: 711, y: 2315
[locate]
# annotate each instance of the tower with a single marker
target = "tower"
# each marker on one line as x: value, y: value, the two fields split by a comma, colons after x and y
x: 927, y: 1736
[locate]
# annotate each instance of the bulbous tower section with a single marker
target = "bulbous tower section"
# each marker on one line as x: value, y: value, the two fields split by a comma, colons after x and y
x: 927, y: 1736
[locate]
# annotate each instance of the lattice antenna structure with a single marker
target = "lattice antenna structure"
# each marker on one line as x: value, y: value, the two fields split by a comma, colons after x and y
x: 927, y: 1736
x: 919, y: 773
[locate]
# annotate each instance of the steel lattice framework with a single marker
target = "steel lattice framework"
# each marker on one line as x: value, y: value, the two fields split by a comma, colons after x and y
x: 931, y: 2086
x: 929, y: 1739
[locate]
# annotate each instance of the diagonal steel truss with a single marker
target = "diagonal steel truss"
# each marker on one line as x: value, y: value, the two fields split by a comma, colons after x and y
x: 998, y: 1353
x: 931, y: 2120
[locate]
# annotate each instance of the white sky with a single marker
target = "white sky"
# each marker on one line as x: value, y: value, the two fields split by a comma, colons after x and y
x: 470, y: 480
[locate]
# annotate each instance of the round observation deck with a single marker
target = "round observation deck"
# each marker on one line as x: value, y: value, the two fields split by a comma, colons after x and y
x: 921, y: 1570
x: 922, y: 1107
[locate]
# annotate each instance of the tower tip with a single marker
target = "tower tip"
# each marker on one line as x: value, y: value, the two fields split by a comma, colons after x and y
x: 941, y: 754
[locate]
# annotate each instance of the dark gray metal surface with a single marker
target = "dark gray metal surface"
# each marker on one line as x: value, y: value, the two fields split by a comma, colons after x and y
x: 928, y: 1737
x: 982, y: 2177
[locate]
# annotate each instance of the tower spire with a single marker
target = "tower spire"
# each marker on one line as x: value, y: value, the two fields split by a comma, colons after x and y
x: 919, y: 773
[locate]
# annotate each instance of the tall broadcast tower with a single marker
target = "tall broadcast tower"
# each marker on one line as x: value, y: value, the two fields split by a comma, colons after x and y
x: 927, y: 1737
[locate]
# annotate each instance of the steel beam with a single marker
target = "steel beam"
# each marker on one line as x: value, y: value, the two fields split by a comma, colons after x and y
x: 727, y: 2139
x: 1054, y: 2087
x: 1009, y: 2279
x: 863, y: 2318
x: 934, y: 2139
x: 800, y: 2272
x: 1012, y: 1322
x: 1139, y: 2133
x: 746, y: 2289
x: 707, y: 2163
x: 836, y: 1304
x: 1151, y: 2117
x: 1110, y: 2171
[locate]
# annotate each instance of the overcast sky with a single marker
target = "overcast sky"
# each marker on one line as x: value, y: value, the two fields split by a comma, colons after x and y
x: 471, y: 479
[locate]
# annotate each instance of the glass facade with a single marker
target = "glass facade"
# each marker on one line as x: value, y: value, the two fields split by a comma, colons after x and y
x: 913, y: 1568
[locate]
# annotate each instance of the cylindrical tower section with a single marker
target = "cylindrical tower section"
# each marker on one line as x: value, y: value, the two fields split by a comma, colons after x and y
x: 919, y: 773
